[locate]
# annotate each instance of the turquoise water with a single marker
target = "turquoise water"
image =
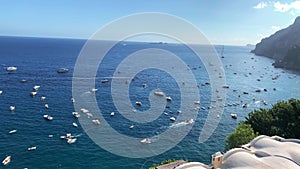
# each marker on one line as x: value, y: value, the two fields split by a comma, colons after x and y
x: 38, y: 59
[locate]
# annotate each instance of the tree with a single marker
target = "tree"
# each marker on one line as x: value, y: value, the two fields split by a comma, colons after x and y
x: 283, y: 119
x: 240, y: 136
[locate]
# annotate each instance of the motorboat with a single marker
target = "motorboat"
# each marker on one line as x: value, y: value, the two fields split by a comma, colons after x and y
x: 76, y: 114
x: 46, y: 106
x: 97, y: 122
x: 12, y: 108
x: 31, y: 148
x: 11, y: 68
x: 146, y: 141
x: 173, y: 119
x: 1, y: 91
x: 93, y: 90
x: 83, y: 110
x: 138, y: 103
x: 104, y: 81
x: 131, y: 127
x: 12, y: 131
x: 43, y: 98
x: 158, y: 93
x: 112, y: 113
x: 234, y: 116
x: 197, y: 102
x: 6, y: 160
x: 75, y: 124
x: 33, y: 93
x: 71, y: 140
x: 48, y: 117
x: 62, y: 70
x: 168, y: 98
x: 36, y: 87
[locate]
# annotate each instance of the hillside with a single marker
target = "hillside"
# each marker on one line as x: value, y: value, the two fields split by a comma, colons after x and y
x: 282, y: 46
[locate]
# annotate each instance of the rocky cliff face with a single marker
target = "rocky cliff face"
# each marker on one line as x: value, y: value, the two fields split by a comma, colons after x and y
x: 283, y: 47
x: 277, y: 45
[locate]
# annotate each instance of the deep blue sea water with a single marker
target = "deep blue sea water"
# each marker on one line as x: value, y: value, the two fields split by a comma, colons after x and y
x: 37, y: 60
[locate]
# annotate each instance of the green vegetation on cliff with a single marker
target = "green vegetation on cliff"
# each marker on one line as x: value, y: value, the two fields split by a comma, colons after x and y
x: 283, y: 119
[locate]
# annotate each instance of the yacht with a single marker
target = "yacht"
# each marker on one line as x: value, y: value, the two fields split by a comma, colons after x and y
x: 47, y: 117
x: 6, y: 160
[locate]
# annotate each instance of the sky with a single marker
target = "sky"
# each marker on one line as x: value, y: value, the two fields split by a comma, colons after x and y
x: 227, y: 22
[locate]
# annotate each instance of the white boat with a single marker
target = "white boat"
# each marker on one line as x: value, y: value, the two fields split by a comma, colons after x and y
x: 97, y: 122
x: 145, y: 85
x: 83, y: 110
x: 131, y: 127
x: 93, y: 90
x: 168, y: 98
x: 197, y: 102
x: 71, y: 140
x: 62, y: 70
x: 12, y: 108
x: 173, y: 119
x: 191, y: 121
x: 75, y: 125
x: 146, y: 140
x: 76, y: 114
x: 112, y: 113
x: 11, y: 68
x: 12, y: 131
x: 6, y: 160
x: 46, y: 106
x: 43, y: 98
x: 33, y: 93
x: 47, y: 117
x: 138, y: 103
x: 1, y: 91
x: 158, y: 93
x: 31, y: 148
x: 36, y: 87
x: 72, y: 100
x: 234, y: 116
x: 104, y: 81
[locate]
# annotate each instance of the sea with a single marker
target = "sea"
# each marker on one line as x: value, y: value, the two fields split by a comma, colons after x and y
x: 38, y: 59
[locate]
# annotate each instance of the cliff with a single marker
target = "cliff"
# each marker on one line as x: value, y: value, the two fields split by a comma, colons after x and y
x: 283, y: 46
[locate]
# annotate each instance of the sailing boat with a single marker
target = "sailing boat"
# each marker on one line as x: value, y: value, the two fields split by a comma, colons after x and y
x: 222, y: 52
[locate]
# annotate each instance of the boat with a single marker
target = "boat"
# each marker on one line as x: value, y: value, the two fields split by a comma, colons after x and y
x: 97, y: 122
x: 23, y: 81
x: 83, y: 110
x: 168, y: 98
x: 225, y: 86
x: 131, y: 127
x: 104, y: 81
x: 43, y: 98
x: 36, y: 87
x: 72, y: 100
x: 62, y: 70
x: 47, y: 117
x: 12, y: 108
x: 76, y: 114
x: 173, y: 119
x: 197, y: 102
x: 245, y: 105
x: 234, y: 116
x: 112, y: 113
x: 146, y: 140
x: 12, y: 131
x: 145, y: 85
x: 75, y: 125
x: 46, y: 106
x: 1, y: 91
x: 33, y: 93
x: 138, y: 103
x: 31, y: 148
x: 158, y: 93
x: 190, y: 121
x: 71, y: 140
x: 11, y: 68
x: 6, y: 160
x: 93, y: 90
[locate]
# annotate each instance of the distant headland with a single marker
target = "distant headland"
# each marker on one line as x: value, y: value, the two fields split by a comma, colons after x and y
x: 283, y: 46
